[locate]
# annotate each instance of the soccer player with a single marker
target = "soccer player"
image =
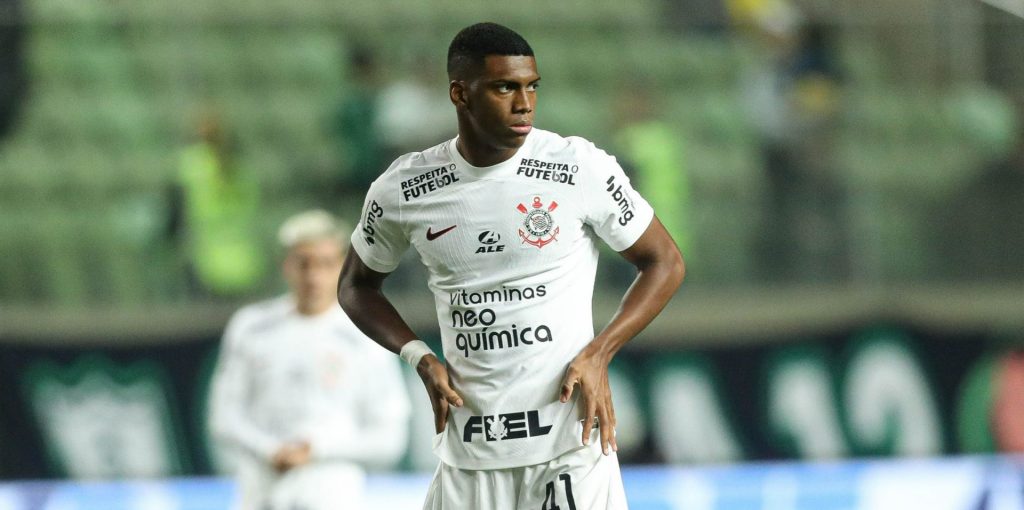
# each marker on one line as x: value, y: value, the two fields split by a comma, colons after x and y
x: 506, y: 218
x: 300, y: 393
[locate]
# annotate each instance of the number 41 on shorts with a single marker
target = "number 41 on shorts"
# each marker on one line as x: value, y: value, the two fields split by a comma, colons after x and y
x: 549, y: 497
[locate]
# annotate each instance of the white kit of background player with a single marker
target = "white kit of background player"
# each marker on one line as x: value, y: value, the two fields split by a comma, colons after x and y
x: 297, y: 379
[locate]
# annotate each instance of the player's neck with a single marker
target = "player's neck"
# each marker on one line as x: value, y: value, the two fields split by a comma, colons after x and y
x: 481, y: 156
x: 313, y: 309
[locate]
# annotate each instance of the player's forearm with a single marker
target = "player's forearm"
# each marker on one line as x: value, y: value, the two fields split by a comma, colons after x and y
x: 376, y: 317
x: 660, y: 274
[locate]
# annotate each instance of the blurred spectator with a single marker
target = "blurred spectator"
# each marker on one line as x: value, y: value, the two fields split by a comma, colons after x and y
x: 413, y: 115
x: 652, y: 150
x: 982, y: 224
x: 216, y: 209
x: 683, y: 16
x: 13, y: 79
x: 377, y: 121
x: 793, y: 96
x: 292, y: 394
x: 355, y: 125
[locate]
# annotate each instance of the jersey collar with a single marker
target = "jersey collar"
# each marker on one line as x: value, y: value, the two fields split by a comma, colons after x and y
x: 478, y: 172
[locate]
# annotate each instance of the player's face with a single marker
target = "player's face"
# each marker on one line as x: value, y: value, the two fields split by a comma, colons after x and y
x: 311, y: 269
x: 497, y: 106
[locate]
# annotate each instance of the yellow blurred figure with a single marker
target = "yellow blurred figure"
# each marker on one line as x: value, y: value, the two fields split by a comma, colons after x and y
x: 221, y: 206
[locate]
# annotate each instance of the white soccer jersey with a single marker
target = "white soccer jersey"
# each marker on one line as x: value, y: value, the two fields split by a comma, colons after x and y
x: 512, y: 255
x: 283, y: 377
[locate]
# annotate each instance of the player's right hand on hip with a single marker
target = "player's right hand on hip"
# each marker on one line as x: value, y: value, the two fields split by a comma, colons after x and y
x: 435, y: 379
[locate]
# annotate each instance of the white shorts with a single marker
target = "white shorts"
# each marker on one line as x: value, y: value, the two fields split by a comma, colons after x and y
x: 582, y: 479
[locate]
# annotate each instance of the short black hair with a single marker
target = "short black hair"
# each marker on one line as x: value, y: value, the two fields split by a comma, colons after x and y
x: 473, y: 43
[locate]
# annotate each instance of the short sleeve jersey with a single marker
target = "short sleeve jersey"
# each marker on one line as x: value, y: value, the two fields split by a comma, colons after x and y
x: 511, y: 252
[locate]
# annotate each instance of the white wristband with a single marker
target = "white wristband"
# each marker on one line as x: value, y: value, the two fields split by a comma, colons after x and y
x: 413, y: 351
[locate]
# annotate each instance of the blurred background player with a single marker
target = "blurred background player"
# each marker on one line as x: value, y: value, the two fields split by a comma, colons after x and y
x: 299, y: 393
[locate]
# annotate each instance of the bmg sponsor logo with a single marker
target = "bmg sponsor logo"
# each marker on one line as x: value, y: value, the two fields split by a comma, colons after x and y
x: 373, y: 212
x: 622, y: 199
x: 505, y: 426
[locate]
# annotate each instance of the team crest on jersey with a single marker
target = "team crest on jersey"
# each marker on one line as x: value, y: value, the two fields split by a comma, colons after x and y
x: 538, y: 227
x: 497, y: 429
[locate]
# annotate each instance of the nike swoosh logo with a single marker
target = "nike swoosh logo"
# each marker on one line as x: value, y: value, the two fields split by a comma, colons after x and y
x: 434, y: 235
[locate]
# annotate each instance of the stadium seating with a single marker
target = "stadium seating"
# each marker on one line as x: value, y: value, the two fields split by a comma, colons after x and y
x: 117, y: 88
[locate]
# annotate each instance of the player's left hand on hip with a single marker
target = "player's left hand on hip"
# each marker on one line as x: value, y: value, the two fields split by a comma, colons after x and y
x: 590, y: 373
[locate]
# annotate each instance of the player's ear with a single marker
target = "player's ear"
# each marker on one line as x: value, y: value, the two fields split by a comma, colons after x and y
x: 457, y: 93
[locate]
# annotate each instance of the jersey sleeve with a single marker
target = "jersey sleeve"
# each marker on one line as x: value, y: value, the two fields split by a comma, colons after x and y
x: 614, y: 210
x: 379, y: 238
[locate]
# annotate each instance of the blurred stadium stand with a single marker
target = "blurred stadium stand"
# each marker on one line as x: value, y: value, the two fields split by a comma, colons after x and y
x: 114, y: 88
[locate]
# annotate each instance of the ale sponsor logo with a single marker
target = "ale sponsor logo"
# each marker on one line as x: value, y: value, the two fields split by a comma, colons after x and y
x: 490, y: 242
